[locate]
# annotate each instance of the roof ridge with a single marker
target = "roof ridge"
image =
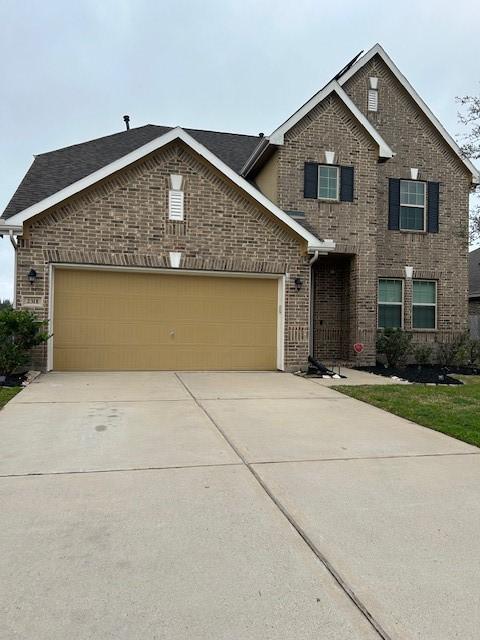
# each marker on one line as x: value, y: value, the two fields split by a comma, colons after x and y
x: 144, y: 126
x: 109, y: 135
x: 223, y: 133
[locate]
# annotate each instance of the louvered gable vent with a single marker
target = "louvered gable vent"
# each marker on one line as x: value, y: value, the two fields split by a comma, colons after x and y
x: 175, y: 198
x: 372, y: 100
x: 175, y: 204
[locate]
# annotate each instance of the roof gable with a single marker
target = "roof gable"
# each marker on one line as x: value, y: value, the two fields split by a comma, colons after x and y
x: 378, y: 50
x: 160, y: 141
x: 50, y: 172
x: 277, y: 137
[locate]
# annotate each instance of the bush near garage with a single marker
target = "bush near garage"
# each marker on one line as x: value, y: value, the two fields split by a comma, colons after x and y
x: 20, y: 331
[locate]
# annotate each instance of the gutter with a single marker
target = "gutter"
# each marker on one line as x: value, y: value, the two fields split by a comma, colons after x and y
x: 321, y: 249
x: 10, y: 229
x: 255, y: 156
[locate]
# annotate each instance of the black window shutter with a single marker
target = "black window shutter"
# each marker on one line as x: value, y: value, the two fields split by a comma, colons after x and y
x: 310, y: 178
x: 432, y: 206
x: 346, y: 184
x: 394, y: 204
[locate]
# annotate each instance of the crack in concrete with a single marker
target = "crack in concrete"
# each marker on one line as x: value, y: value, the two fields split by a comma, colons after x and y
x: 343, y: 584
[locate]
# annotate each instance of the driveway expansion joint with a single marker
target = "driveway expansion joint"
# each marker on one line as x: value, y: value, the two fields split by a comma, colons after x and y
x: 388, y: 457
x: 344, y: 586
x: 123, y: 470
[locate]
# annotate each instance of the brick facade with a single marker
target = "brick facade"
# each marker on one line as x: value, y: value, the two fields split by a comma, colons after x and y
x: 123, y: 222
x: 360, y: 228
x: 439, y: 256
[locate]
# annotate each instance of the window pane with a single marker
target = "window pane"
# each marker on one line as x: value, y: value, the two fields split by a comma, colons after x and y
x: 390, y: 316
x: 423, y: 317
x: 328, y: 182
x: 412, y: 218
x: 390, y: 291
x: 412, y: 192
x: 424, y: 292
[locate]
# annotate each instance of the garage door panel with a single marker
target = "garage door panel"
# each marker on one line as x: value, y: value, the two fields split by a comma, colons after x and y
x: 106, y: 320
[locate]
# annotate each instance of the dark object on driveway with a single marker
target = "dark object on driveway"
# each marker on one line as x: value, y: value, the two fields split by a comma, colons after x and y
x: 423, y: 375
x: 316, y: 368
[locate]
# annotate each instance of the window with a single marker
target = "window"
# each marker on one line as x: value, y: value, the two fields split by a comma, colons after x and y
x: 328, y: 182
x: 390, y: 304
x: 412, y: 205
x: 424, y: 311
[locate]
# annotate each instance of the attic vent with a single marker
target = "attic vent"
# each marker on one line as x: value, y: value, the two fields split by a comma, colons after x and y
x: 175, y: 198
x: 175, y: 204
x: 372, y: 100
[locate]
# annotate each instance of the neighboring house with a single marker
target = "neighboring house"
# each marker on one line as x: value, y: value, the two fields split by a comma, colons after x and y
x: 474, y: 292
x: 160, y: 248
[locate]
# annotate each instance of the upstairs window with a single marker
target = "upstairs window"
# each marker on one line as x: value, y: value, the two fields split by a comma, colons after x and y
x: 328, y: 182
x: 390, y: 304
x: 424, y: 308
x: 412, y: 205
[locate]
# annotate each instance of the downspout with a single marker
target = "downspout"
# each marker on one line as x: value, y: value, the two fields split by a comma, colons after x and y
x: 12, y: 240
x: 312, y: 261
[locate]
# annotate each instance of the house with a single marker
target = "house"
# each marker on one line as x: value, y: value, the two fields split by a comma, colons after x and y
x: 167, y: 248
x: 474, y: 292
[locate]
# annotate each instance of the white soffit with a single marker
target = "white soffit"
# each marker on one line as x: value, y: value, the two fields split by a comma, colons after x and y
x: 314, y: 243
x: 277, y: 137
x: 378, y: 49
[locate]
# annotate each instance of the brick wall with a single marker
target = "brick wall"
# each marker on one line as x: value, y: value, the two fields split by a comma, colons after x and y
x: 440, y: 256
x: 123, y: 222
x: 360, y: 228
x: 331, y: 127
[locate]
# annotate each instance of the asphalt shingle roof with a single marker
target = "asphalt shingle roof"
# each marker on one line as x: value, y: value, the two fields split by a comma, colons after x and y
x: 50, y: 172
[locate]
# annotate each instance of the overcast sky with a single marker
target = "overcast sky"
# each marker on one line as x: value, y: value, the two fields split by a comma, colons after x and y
x: 70, y: 70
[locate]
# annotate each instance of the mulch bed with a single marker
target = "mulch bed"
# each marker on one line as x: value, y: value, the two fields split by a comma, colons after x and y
x: 434, y: 374
x: 14, y: 380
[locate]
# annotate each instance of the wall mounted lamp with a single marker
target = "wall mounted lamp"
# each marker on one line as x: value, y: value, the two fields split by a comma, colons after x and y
x: 298, y: 283
x: 32, y: 276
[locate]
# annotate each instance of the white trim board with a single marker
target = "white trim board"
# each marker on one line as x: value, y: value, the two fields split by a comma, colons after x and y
x: 178, y: 133
x: 378, y: 49
x: 278, y: 136
x: 280, y: 277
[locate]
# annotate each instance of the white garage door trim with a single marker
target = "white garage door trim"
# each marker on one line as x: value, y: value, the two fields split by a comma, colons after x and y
x: 174, y: 272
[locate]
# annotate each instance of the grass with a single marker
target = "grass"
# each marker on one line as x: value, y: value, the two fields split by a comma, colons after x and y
x: 7, y: 393
x: 453, y: 410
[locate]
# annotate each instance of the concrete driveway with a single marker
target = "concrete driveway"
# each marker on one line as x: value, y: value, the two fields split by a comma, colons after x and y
x: 230, y: 506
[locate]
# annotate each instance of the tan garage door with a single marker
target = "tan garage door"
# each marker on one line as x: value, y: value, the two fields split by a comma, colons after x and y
x: 113, y: 320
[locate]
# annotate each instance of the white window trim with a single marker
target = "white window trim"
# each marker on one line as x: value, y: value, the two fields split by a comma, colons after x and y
x: 329, y: 166
x: 417, y: 206
x: 426, y: 304
x: 400, y: 304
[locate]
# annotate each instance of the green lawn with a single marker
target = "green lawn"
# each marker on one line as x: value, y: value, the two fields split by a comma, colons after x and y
x: 7, y: 393
x: 452, y: 410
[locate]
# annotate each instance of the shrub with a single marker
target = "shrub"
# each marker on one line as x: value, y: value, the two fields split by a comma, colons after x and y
x: 20, y: 331
x: 455, y: 353
x: 423, y: 354
x: 396, y: 345
x: 474, y: 351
